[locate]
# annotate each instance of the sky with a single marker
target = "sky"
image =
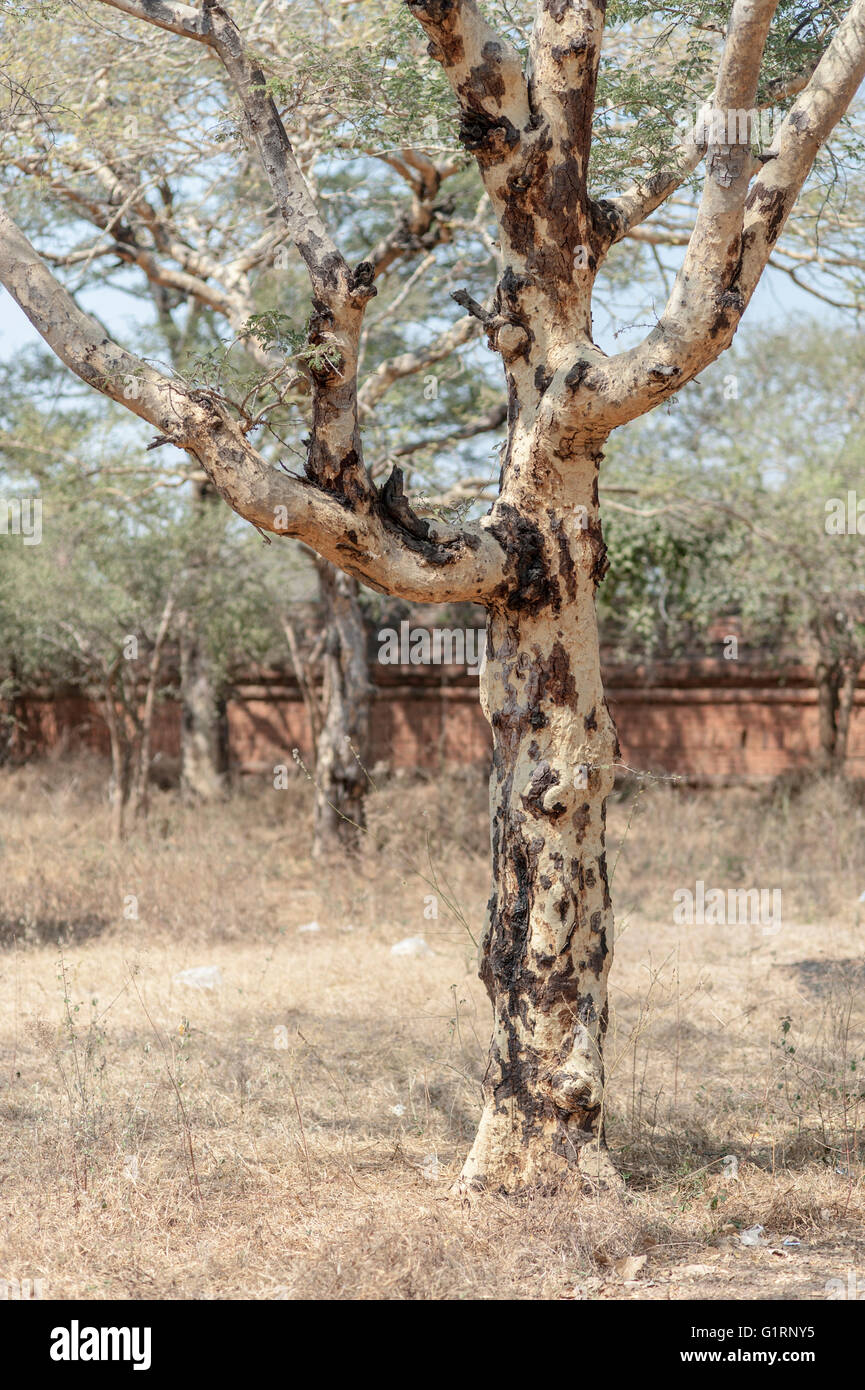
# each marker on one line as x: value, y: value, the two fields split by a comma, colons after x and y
x: 775, y: 300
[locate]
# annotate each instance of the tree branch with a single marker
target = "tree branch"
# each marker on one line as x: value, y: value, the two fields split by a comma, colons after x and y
x: 564, y: 55
x: 177, y: 19
x: 483, y: 69
x: 409, y: 363
x: 734, y: 233
x: 442, y: 563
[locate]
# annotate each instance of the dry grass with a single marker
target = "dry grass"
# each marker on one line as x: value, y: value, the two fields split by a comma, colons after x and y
x: 292, y: 1133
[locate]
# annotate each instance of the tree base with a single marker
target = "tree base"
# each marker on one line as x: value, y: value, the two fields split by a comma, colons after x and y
x: 556, y: 1154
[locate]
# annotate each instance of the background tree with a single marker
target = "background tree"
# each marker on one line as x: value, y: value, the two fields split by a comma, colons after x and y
x: 740, y: 505
x: 100, y: 601
x: 93, y: 606
x: 132, y: 201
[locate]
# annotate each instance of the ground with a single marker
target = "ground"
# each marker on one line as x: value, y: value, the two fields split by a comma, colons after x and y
x: 293, y: 1132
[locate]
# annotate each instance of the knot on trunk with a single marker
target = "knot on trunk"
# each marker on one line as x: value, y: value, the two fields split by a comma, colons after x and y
x: 548, y: 793
x: 511, y: 340
x: 576, y: 1082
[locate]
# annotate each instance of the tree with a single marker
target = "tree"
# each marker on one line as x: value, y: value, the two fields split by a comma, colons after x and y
x: 93, y: 608
x: 536, y: 560
x: 765, y: 525
x: 97, y: 596
x: 130, y: 198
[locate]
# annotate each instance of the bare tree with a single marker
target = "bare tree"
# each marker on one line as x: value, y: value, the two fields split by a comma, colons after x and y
x: 536, y: 560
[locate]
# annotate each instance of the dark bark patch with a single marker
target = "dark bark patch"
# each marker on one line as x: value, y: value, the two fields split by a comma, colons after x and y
x: 579, y: 377
x: 519, y: 194
x: 560, y: 687
x: 602, y: 870
x: 580, y: 821
x: 508, y: 299
x: 361, y: 281
x: 596, y: 956
x: 567, y: 569
x: 772, y: 203
x: 600, y: 560
x: 523, y: 543
x: 489, y: 138
x: 543, y: 377
x: 607, y: 220
x: 330, y: 270
x: 664, y: 371
x: 573, y: 1135
x: 559, y: 52
x: 730, y: 305
x: 617, y: 747
x: 487, y: 77
x: 395, y: 503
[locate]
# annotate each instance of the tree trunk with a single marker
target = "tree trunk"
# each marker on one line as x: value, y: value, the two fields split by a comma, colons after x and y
x: 548, y: 938
x: 202, y: 721
x: 140, y: 793
x: 846, y: 699
x: 10, y: 714
x: 828, y: 674
x: 340, y: 770
x: 837, y: 681
x: 203, y: 732
x: 305, y: 666
x: 121, y: 765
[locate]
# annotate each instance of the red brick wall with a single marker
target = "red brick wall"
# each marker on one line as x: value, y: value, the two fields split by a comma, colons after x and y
x: 706, y: 720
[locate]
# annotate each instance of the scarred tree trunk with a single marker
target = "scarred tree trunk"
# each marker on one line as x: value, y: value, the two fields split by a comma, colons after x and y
x: 548, y: 939
x: 828, y: 676
x: 341, y: 779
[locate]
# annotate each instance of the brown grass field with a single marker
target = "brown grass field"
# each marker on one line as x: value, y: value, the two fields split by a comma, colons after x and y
x: 293, y: 1132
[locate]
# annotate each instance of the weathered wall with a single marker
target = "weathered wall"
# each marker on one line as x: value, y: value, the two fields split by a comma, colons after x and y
x: 704, y: 720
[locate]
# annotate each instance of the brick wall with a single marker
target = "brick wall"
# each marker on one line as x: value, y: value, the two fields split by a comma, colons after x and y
x: 706, y: 720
